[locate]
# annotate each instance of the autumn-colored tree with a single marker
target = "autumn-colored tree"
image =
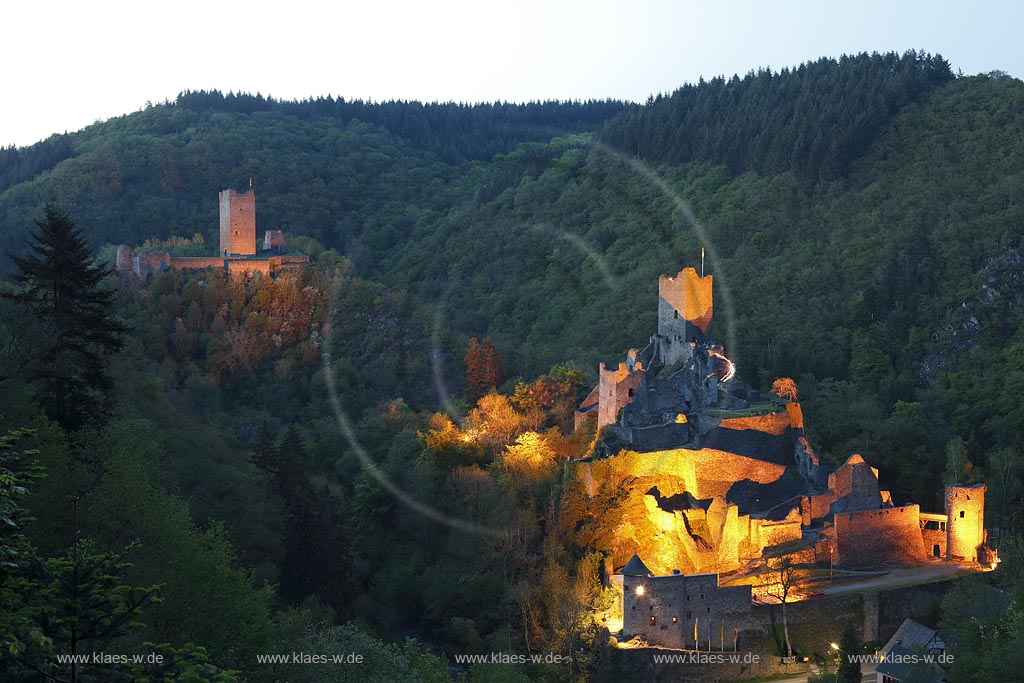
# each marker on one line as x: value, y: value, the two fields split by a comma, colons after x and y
x: 494, y: 421
x: 530, y: 458
x: 450, y: 445
x: 784, y: 388
x: 483, y: 368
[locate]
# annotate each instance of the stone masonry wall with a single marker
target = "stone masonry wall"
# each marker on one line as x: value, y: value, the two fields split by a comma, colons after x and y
x: 197, y: 262
x: 616, y: 389
x: 671, y: 606
x: 873, y: 537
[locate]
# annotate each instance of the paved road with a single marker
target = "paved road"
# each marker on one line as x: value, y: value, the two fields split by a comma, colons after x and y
x: 901, y: 576
x: 867, y: 676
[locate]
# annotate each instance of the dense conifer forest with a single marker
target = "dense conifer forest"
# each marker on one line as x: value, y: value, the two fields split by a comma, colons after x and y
x: 234, y: 486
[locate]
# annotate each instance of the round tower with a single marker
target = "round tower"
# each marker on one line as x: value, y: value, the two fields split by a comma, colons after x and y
x: 965, y: 528
x: 634, y: 595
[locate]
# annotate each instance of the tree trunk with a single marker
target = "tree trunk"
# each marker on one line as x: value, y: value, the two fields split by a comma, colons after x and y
x: 785, y: 629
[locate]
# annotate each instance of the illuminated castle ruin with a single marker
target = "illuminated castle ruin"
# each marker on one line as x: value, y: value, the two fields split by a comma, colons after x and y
x: 237, y: 256
x: 657, y: 395
x: 712, y: 479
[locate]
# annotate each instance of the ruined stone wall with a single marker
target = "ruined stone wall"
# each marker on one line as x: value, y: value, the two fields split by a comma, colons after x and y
x: 125, y: 257
x: 274, y: 239
x: 148, y: 263
x: 197, y: 262
x: 659, y: 437
x: 879, y: 537
x: 237, y: 223
x: 588, y: 409
x: 616, y: 388
x: 244, y: 268
x: 765, y: 533
x: 813, y: 623
x: 753, y: 443
x: 934, y: 534
x: 796, y: 415
x: 821, y: 506
x: 288, y: 262
x: 673, y: 352
x: 775, y: 423
x: 965, y: 508
x: 671, y: 606
x: 854, y: 477
x: 806, y: 459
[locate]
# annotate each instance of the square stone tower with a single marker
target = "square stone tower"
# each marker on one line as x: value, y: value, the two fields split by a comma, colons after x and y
x: 684, y: 305
x: 237, y: 223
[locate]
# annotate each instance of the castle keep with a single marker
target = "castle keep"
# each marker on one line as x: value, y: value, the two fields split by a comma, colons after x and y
x: 714, y: 482
x: 237, y: 256
x: 237, y: 223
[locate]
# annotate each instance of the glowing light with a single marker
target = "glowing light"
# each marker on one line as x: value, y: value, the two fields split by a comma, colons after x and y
x: 639, y: 590
x: 834, y: 646
x: 730, y: 367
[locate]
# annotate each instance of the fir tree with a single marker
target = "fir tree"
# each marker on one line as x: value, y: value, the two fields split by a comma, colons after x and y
x: 62, y: 289
x: 848, y: 669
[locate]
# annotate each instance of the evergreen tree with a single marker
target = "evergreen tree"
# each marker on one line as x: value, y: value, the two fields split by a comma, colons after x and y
x: 290, y: 469
x: 265, y: 456
x: 848, y: 669
x: 62, y: 289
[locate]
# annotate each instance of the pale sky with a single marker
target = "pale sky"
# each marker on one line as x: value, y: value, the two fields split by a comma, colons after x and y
x: 68, y: 64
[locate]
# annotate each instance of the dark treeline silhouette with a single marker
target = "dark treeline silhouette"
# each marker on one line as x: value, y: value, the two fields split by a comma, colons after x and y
x: 18, y: 165
x: 813, y: 120
x: 455, y: 131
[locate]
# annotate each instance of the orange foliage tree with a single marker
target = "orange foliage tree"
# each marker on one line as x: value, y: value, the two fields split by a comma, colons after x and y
x: 784, y: 388
x: 495, y: 422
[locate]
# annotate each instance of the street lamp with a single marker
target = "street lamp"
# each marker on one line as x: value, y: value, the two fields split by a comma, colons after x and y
x: 835, y: 646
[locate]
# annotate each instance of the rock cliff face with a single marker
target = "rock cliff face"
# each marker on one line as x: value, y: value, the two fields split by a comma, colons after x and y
x: 676, y: 507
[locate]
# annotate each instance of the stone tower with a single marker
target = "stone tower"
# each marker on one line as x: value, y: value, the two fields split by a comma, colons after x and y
x: 965, y: 528
x: 635, y: 580
x: 237, y: 223
x: 125, y: 258
x: 616, y: 388
x: 684, y: 305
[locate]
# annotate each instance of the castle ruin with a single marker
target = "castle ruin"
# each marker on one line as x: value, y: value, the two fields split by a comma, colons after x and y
x: 238, y: 256
x: 237, y: 223
x: 713, y: 480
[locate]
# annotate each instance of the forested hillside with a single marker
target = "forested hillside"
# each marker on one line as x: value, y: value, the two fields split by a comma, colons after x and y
x: 862, y: 217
